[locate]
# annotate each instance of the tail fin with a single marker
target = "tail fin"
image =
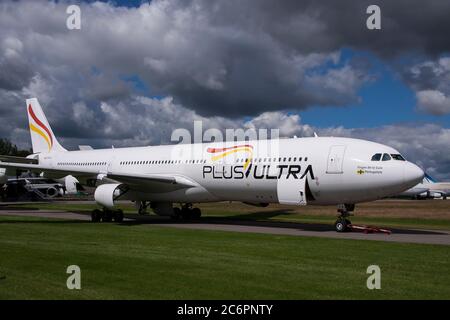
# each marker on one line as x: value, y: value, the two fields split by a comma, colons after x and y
x: 429, y: 179
x: 42, y: 137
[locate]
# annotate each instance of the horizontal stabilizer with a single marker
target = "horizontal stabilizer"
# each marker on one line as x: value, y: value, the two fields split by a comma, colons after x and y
x: 18, y: 159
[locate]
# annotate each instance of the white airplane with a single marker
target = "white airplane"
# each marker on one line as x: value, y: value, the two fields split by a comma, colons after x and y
x: 428, y: 188
x: 313, y: 171
x: 415, y: 192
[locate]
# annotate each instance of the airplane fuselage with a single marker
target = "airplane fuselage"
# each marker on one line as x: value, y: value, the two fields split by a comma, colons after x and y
x: 315, y: 170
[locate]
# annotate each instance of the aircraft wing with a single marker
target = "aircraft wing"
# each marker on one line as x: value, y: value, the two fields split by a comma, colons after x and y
x: 152, y: 182
x: 40, y: 168
x: 136, y: 181
x: 14, y: 159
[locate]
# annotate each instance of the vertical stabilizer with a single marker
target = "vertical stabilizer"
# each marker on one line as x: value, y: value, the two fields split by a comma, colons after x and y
x: 429, y: 179
x: 42, y: 137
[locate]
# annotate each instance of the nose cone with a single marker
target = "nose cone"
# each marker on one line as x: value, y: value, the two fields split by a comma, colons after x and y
x: 412, y: 174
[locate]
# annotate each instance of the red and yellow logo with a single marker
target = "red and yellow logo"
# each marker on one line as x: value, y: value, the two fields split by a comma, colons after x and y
x: 40, y: 128
x: 219, y: 153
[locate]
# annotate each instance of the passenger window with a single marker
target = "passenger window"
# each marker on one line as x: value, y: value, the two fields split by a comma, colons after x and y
x: 386, y: 157
x: 376, y: 157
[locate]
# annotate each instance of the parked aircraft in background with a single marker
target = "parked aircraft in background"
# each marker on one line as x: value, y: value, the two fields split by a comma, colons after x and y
x: 301, y: 171
x: 70, y: 183
x: 428, y: 188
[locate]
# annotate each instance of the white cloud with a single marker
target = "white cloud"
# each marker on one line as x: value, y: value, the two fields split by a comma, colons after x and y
x: 431, y: 82
x: 287, y: 124
x: 177, y: 49
x: 433, y: 101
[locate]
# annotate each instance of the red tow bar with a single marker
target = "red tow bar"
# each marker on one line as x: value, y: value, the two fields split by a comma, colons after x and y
x: 368, y: 229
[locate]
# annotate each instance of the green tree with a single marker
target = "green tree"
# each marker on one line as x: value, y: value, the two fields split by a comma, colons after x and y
x: 9, y: 149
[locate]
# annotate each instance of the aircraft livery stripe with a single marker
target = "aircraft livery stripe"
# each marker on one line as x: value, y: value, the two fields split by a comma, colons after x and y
x: 33, y: 128
x: 216, y: 150
x: 235, y: 150
x: 39, y: 123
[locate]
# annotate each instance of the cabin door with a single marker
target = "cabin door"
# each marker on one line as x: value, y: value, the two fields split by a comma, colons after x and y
x: 336, y: 159
x: 291, y: 191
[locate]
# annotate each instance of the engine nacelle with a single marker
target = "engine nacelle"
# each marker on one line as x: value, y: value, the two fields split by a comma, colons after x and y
x: 435, y: 194
x: 105, y: 194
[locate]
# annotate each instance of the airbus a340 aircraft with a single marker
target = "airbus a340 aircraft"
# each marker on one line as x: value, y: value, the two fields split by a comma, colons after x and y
x: 298, y: 171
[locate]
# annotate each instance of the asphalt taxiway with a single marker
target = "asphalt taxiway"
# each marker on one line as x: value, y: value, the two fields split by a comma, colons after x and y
x: 441, y: 237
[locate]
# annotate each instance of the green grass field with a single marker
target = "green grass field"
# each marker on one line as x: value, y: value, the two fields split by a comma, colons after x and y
x: 149, y: 262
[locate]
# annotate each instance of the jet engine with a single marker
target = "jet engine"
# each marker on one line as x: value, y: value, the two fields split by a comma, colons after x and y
x: 106, y: 194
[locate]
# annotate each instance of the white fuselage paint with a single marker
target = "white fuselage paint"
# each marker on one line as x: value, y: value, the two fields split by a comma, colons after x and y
x: 340, y: 170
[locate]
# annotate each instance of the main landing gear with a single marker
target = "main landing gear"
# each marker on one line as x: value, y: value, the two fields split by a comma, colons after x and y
x: 143, y: 205
x: 187, y: 212
x: 342, y: 223
x: 107, y: 215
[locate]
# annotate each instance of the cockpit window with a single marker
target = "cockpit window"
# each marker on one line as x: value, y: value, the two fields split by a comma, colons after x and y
x: 386, y: 157
x: 376, y: 157
x: 397, y: 157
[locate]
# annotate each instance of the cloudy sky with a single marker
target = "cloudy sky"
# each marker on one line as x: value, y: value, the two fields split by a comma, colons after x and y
x: 137, y: 70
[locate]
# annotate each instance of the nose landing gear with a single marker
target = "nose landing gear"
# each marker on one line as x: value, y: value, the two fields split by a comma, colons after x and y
x: 342, y: 223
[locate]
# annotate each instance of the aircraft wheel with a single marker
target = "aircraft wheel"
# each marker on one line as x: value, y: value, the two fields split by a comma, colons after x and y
x: 196, y: 213
x: 176, y: 213
x: 96, y: 215
x: 107, y: 216
x: 118, y: 217
x: 341, y: 225
x: 185, y: 213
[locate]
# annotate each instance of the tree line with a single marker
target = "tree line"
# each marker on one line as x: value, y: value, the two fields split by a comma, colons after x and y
x: 7, y: 148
